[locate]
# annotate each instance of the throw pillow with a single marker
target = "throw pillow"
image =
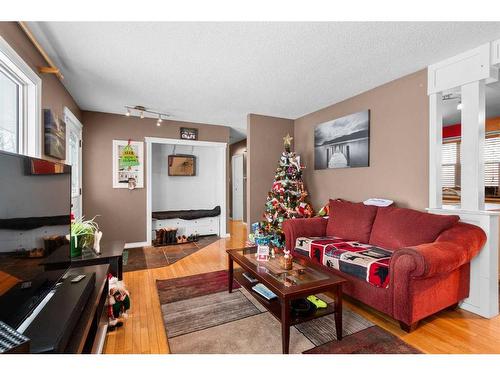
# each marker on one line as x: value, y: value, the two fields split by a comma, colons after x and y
x: 350, y: 221
x: 395, y: 228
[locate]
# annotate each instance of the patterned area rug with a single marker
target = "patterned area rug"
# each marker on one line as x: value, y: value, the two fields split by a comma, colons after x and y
x: 200, y: 316
x: 141, y: 258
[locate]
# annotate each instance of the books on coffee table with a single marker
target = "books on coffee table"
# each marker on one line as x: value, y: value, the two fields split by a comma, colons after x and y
x: 249, y: 277
x: 264, y: 291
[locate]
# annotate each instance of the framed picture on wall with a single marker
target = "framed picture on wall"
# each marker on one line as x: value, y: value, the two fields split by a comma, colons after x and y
x: 343, y: 142
x: 54, y: 135
x: 128, y: 164
x: 182, y: 165
x: 190, y: 134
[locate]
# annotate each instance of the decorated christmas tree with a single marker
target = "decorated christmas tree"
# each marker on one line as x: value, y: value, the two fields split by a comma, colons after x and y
x: 286, y: 200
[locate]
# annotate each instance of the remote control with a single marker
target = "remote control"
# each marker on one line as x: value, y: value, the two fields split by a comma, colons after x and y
x: 77, y: 279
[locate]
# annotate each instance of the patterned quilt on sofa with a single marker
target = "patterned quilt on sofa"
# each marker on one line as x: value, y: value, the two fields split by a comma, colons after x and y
x: 367, y: 262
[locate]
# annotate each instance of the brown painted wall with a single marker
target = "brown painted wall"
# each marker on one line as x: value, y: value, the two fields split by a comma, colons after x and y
x: 237, y: 149
x: 264, y: 147
x: 398, y: 146
x: 123, y: 212
x: 54, y: 94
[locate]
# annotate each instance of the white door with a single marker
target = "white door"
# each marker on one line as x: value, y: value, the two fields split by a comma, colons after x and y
x: 237, y: 163
x: 74, y: 158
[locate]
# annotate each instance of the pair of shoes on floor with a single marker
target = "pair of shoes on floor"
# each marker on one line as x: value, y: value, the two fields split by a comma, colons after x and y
x: 190, y: 238
x: 166, y: 236
x: 182, y: 239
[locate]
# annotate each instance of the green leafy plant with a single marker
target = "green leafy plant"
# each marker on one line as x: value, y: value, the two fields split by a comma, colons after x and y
x: 84, y: 230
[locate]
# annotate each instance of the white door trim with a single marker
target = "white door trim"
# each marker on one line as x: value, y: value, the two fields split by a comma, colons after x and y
x: 232, y: 185
x: 72, y: 121
x: 223, y: 173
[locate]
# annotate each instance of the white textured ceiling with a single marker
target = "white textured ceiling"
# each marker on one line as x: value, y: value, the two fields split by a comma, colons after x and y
x: 219, y: 72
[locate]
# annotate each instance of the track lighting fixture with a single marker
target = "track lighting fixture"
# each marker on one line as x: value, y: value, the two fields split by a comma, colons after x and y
x: 454, y: 96
x: 141, y: 111
x: 158, y: 123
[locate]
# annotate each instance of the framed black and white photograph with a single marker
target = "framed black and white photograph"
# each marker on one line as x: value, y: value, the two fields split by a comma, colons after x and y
x: 190, y: 134
x: 343, y: 142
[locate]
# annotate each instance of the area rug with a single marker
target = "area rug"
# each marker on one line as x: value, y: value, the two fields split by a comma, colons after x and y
x: 200, y: 316
x: 140, y: 258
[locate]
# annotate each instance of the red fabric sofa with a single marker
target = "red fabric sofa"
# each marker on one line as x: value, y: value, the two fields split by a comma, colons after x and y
x: 428, y: 266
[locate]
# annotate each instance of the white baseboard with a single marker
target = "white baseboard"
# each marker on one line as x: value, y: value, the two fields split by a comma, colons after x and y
x: 131, y: 245
x: 225, y: 235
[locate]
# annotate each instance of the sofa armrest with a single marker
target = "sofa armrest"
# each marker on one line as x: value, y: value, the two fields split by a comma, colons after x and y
x: 308, y: 227
x: 452, y: 249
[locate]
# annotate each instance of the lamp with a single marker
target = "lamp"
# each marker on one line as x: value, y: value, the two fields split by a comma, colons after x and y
x: 140, y: 111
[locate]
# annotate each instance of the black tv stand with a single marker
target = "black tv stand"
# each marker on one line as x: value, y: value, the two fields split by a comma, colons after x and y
x: 51, y: 328
x: 70, y: 320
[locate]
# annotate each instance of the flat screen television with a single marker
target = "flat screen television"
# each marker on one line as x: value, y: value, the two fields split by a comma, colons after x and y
x: 35, y: 218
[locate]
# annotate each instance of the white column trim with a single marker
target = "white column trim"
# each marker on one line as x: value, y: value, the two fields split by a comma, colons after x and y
x: 483, y: 293
x: 472, y: 151
x: 435, y: 150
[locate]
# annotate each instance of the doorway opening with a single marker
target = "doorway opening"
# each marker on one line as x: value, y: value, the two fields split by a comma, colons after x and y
x: 238, y: 181
x: 169, y: 192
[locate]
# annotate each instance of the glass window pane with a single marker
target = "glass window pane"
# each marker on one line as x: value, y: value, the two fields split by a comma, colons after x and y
x: 9, y: 114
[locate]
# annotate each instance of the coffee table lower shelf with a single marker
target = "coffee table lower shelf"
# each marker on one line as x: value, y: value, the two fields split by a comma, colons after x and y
x: 274, y: 305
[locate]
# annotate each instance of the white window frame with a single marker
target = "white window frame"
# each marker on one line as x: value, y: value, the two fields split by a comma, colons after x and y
x: 30, y: 99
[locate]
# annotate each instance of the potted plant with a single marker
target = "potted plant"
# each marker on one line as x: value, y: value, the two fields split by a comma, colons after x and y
x: 82, y: 235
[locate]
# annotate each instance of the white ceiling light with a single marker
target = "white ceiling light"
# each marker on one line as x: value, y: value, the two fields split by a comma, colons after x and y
x: 139, y: 110
x: 454, y: 96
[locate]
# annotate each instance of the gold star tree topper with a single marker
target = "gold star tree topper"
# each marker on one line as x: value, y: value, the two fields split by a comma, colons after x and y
x: 287, y: 141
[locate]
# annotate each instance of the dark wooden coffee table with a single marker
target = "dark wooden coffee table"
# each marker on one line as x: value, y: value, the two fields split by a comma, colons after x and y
x: 303, y: 280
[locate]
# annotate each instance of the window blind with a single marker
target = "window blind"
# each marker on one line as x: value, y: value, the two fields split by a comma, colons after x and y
x: 450, y: 174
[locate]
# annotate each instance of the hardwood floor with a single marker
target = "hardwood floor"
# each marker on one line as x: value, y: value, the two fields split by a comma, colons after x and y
x: 143, y: 332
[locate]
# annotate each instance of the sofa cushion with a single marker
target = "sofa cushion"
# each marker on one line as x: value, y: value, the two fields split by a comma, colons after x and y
x: 367, y: 262
x: 349, y: 220
x: 395, y: 228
